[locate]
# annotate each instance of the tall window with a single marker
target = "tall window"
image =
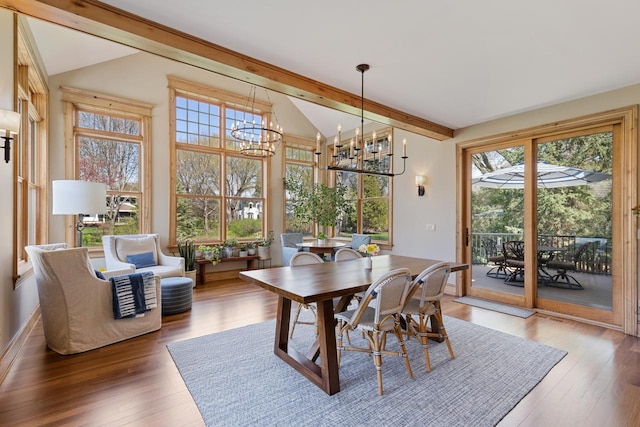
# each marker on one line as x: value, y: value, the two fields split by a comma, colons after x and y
x: 110, y: 146
x: 217, y: 193
x: 29, y: 154
x: 299, y: 166
x: 370, y: 196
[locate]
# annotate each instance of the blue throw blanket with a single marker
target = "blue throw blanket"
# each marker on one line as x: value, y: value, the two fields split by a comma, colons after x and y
x: 133, y: 294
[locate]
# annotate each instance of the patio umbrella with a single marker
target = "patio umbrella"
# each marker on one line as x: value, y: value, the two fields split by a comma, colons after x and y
x: 549, y: 176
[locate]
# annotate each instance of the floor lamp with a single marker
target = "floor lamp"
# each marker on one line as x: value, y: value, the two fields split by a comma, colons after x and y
x: 77, y: 198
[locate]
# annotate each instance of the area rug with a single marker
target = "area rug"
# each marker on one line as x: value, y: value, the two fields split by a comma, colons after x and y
x: 494, y: 306
x: 236, y: 380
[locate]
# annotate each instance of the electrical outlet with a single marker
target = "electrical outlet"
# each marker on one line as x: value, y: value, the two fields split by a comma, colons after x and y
x: 431, y: 227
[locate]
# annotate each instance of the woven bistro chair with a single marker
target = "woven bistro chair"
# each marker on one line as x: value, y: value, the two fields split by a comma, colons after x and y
x: 298, y: 259
x: 345, y: 254
x: 424, y: 302
x: 378, y: 314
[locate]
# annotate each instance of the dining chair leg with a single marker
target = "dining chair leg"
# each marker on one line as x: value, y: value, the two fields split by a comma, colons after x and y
x: 443, y: 331
x: 377, y: 358
x: 403, y: 348
x: 423, y: 334
x: 339, y: 341
x: 295, y: 319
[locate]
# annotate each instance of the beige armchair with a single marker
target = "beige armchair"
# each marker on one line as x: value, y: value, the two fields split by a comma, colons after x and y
x: 122, y: 252
x: 77, y: 307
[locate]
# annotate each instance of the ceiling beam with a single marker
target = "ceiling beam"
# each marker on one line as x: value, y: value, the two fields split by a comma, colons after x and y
x: 102, y: 20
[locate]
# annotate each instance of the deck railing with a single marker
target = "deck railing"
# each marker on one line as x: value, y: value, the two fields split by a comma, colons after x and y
x: 596, y: 261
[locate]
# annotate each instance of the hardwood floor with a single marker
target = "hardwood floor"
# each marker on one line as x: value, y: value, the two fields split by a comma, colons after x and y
x: 135, y: 383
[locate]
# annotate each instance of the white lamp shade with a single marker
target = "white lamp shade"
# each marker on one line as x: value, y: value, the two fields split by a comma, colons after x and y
x: 9, y: 121
x: 79, y: 197
x: 421, y: 179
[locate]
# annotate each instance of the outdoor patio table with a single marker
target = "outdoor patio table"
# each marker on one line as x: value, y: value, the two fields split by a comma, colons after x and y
x: 320, y: 284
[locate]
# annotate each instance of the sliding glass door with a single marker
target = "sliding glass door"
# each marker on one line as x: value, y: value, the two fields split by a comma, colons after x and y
x: 547, y: 222
x: 497, y: 218
x: 574, y: 199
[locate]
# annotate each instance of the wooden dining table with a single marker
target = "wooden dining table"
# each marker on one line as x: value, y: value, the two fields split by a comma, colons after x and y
x: 321, y: 247
x: 320, y: 284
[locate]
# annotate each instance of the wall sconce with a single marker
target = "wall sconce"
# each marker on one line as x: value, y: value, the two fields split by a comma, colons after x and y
x: 9, y: 122
x: 77, y: 198
x: 421, y: 180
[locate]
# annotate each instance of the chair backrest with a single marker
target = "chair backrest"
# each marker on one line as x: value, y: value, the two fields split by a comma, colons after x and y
x: 122, y: 246
x: 584, y: 250
x: 431, y: 283
x: 60, y: 275
x: 490, y: 246
x: 305, y: 258
x: 344, y: 254
x: 387, y: 296
x: 288, y: 246
x: 289, y: 240
x: 359, y: 239
x: 513, y: 249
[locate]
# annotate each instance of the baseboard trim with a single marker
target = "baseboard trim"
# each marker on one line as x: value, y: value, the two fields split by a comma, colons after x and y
x: 13, y: 349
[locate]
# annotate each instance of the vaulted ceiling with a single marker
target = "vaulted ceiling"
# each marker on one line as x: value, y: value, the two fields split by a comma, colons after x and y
x: 455, y: 63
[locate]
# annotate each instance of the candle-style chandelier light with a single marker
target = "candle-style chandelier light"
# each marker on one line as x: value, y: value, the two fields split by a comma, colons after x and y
x: 257, y: 139
x: 370, y: 155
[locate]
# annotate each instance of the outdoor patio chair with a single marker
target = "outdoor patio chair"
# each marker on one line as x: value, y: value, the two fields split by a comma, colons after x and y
x: 499, y: 270
x: 378, y: 314
x: 564, y: 280
x: 513, y: 251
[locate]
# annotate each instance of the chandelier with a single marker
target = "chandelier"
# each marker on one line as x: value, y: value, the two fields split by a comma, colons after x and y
x: 257, y: 139
x: 369, y: 155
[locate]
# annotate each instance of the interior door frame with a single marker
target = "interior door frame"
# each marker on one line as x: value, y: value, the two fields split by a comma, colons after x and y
x: 625, y: 199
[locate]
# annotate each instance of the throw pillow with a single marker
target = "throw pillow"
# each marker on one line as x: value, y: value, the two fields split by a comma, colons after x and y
x: 142, y: 260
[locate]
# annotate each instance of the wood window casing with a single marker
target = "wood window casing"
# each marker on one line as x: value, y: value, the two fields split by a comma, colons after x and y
x: 221, y: 147
x: 29, y: 150
x: 76, y: 101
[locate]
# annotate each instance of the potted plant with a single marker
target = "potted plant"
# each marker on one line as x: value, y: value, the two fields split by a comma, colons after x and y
x: 229, y: 247
x: 319, y: 204
x: 251, y: 250
x: 244, y: 249
x: 264, y: 246
x: 187, y: 250
x: 210, y: 253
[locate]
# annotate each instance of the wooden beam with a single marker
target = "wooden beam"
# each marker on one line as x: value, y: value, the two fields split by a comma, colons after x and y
x: 102, y: 20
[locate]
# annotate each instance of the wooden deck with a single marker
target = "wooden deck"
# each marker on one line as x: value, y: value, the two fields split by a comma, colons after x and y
x: 596, y: 293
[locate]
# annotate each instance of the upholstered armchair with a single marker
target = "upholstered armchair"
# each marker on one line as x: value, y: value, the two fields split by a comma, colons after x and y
x: 359, y: 239
x: 77, y: 307
x: 141, y: 252
x: 289, y: 248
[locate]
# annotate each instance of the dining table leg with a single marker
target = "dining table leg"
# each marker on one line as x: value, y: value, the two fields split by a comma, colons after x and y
x: 325, y: 376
